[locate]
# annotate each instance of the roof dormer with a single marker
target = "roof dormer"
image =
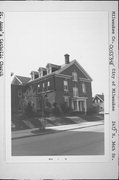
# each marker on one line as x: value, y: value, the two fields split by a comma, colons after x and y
x: 42, y: 71
x: 34, y: 75
x: 52, y: 68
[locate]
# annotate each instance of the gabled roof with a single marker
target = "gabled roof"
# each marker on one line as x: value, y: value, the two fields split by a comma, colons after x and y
x: 100, y: 96
x: 21, y: 79
x: 79, y: 67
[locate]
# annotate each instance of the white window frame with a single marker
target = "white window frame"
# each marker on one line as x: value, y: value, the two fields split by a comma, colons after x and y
x: 74, y: 76
x: 98, y: 100
x: 83, y: 88
x: 65, y: 85
x: 66, y: 100
x: 43, y: 85
x: 48, y: 83
x: 75, y: 92
x: 38, y: 88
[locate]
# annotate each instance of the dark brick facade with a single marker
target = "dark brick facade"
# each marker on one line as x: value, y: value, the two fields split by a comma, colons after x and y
x: 51, y: 88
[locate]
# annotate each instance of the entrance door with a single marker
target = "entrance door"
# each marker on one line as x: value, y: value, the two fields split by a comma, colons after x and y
x: 75, y: 105
x: 81, y: 106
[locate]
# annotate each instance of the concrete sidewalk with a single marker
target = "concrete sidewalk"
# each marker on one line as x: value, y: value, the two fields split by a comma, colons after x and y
x: 53, y: 129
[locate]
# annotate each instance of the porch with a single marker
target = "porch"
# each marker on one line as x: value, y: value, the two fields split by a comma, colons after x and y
x: 79, y: 104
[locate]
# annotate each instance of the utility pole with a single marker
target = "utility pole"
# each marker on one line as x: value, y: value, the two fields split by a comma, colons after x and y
x: 44, y: 95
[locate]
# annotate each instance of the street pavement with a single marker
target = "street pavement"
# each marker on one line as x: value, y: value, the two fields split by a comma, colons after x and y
x: 53, y: 129
x: 88, y: 140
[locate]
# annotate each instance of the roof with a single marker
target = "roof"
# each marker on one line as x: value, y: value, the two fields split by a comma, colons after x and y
x: 63, y: 67
x: 22, y: 80
x: 100, y: 96
x: 53, y: 65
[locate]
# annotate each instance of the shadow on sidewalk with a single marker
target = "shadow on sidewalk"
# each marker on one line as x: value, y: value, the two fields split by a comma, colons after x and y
x: 44, y: 131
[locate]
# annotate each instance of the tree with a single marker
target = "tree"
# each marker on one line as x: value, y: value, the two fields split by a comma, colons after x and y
x: 29, y: 110
x: 30, y: 98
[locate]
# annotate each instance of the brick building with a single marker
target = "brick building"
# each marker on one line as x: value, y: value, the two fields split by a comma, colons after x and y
x: 68, y: 84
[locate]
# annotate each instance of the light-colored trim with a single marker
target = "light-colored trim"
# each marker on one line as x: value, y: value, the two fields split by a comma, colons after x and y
x: 65, y: 67
x: 15, y: 77
x: 80, y: 98
x: 47, y: 91
x: 63, y: 76
x: 78, y: 66
x: 40, y: 79
x: 82, y: 70
x: 19, y: 80
x: 84, y: 79
x: 98, y: 97
x: 58, y: 72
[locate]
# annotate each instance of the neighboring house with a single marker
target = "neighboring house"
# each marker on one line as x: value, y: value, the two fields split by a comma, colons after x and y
x: 68, y: 84
x: 98, y: 100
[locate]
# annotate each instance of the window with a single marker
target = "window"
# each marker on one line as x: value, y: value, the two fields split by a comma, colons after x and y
x: 65, y: 85
x: 38, y: 88
x: 98, y: 100
x: 48, y: 83
x: 35, y: 76
x: 43, y: 85
x: 74, y: 105
x: 75, y: 92
x: 83, y: 88
x: 66, y: 100
x: 74, y: 76
x: 19, y: 93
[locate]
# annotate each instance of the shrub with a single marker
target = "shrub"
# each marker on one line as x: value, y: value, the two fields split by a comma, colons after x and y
x: 65, y: 109
x: 93, y: 110
x: 56, y: 110
x: 29, y: 110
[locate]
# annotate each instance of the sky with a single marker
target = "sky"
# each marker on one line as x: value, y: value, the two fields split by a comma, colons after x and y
x: 33, y: 39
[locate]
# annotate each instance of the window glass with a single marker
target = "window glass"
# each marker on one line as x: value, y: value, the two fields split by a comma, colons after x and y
x: 98, y: 101
x: 48, y: 83
x: 83, y: 88
x: 38, y: 88
x: 75, y: 92
x: 66, y: 100
x: 74, y: 76
x: 65, y: 85
x: 43, y: 85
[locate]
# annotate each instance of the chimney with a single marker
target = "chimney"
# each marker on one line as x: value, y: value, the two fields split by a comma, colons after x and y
x: 66, y: 58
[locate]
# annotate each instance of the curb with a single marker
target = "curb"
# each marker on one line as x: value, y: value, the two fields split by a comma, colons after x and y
x: 59, y: 131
